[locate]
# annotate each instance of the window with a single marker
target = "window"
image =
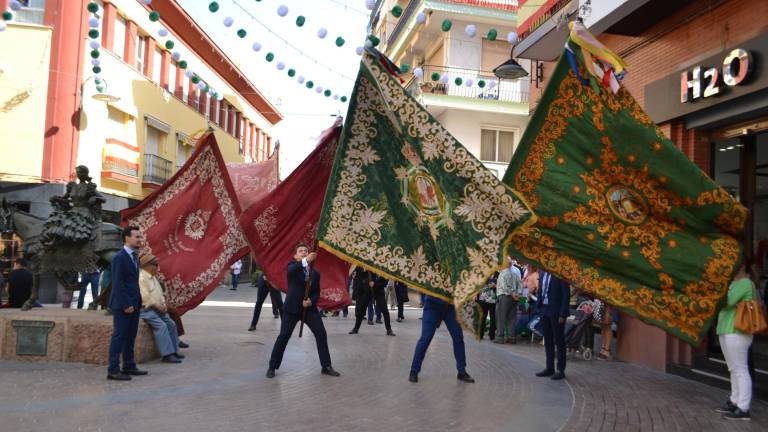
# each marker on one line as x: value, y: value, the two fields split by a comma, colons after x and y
x: 141, y: 52
x: 118, y: 46
x: 117, y: 127
x: 493, y: 53
x: 184, y: 89
x: 496, y: 145
x: 157, y: 63
x: 32, y: 12
x: 172, y: 78
x: 182, y: 150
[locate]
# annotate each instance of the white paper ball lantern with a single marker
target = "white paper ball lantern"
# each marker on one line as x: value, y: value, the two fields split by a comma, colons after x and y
x: 512, y: 37
x: 471, y: 30
x: 228, y: 21
x: 176, y: 56
x: 147, y: 2
x: 200, y: 85
x: 300, y: 79
x: 280, y: 65
x: 95, y: 62
x: 444, y: 79
x: 93, y: 22
x: 14, y: 5
x: 370, y: 4
x: 188, y: 73
x: 162, y: 32
x: 469, y: 82
x: 492, y: 84
x: 322, y: 33
x: 418, y: 72
x: 256, y: 46
x: 3, y: 25
x: 359, y: 50
x: 421, y: 18
x: 336, y: 96
x: 95, y: 44
x: 282, y: 10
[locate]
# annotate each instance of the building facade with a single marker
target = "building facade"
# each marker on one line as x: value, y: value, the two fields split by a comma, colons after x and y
x: 488, y: 121
x: 698, y: 69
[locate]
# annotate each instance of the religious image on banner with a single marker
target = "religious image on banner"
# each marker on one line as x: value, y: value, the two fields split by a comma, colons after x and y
x: 408, y: 201
x: 252, y: 181
x: 623, y: 214
x: 191, y: 225
x: 290, y: 215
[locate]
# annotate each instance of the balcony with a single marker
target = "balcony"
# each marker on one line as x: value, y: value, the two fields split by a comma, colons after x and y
x: 157, y: 171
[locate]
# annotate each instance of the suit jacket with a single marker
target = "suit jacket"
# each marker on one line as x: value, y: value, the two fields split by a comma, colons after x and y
x: 558, y: 297
x: 361, y: 290
x: 125, y: 283
x: 296, y: 286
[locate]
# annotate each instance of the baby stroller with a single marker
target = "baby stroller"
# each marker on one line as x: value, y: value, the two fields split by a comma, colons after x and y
x: 578, y: 331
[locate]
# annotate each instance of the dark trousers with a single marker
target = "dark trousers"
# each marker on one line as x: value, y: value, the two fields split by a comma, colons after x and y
x: 434, y: 313
x: 370, y: 312
x: 124, y: 329
x: 85, y: 280
x: 554, y: 337
x: 315, y: 324
x: 381, y: 309
x: 235, y: 280
x: 400, y: 307
x: 277, y: 303
x: 488, y: 308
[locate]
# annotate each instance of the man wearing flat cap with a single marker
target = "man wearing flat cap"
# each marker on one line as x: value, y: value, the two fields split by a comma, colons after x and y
x: 154, y: 311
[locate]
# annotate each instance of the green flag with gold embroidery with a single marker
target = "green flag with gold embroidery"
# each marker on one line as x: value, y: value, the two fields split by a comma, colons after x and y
x: 408, y: 201
x: 623, y: 214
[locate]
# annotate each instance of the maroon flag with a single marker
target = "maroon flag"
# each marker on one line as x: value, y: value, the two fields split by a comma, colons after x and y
x: 191, y: 225
x: 290, y: 215
x: 252, y: 181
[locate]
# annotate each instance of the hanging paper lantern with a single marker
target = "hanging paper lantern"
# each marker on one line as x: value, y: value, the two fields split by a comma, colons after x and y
x: 154, y: 16
x: 188, y: 73
x: 343, y: 98
x: 95, y: 54
x: 444, y: 79
x: 404, y: 67
x: 397, y: 11
x: 291, y: 72
x: 147, y: 2
x: 318, y: 89
x: 339, y: 41
x: 176, y: 56
x: 169, y: 44
x: 327, y: 93
x: 195, y: 79
x: 280, y: 65
x: 213, y: 6
x: 370, y: 4
x: 7, y: 15
x: 241, y: 33
x: 98, y: 81
x: 270, y: 57
x: 93, y: 7
x: 421, y: 17
x: 92, y: 33
x: 95, y: 62
x: 200, y: 85
x: 471, y: 30
x: 492, y: 33
x: 458, y: 81
x: 183, y: 64
x: 335, y: 97
x: 228, y: 21
x: 359, y: 50
x: 418, y: 72
x: 96, y: 69
x: 300, y: 20
x: 206, y: 88
x: 368, y: 44
x: 99, y: 89
x: 219, y: 96
x: 481, y: 83
x: 435, y: 76
x: 3, y: 25
x: 282, y: 10
x: 492, y: 84
x: 256, y: 46
x: 322, y: 33
x: 512, y: 37
x: 95, y: 44
x: 93, y: 22
x: 446, y: 25
x: 162, y: 32
x: 300, y: 79
x: 469, y: 82
x: 310, y: 84
x: 14, y: 5
x: 374, y: 40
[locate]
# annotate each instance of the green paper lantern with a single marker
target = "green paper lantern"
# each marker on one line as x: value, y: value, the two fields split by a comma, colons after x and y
x: 98, y: 81
x: 7, y: 16
x: 93, y: 7
x: 374, y: 40
x: 93, y: 34
x: 206, y: 88
x: 95, y: 54
x: 492, y: 33
x: 481, y: 83
x: 343, y: 99
x: 446, y: 26
x: 458, y: 81
x: 310, y: 84
x: 397, y: 11
x: 100, y: 89
x: 340, y: 41
x: 154, y: 16
x: 300, y: 20
x: 241, y: 33
x: 195, y: 79
x: 291, y: 73
x: 327, y: 93
x: 96, y: 69
x: 435, y: 76
x: 169, y: 44
x: 183, y: 64
x: 405, y: 67
x: 213, y: 7
x: 270, y: 57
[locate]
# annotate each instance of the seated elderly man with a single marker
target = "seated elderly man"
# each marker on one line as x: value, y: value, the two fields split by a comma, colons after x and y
x: 155, y: 312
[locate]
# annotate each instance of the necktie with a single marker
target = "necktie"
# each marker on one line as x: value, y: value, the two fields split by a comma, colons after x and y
x: 545, y: 288
x: 135, y: 256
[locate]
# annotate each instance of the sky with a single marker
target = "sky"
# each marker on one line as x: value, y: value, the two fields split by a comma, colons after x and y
x: 306, y: 113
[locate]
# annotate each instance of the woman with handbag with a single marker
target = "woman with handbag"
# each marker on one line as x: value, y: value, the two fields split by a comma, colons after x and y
x: 735, y: 341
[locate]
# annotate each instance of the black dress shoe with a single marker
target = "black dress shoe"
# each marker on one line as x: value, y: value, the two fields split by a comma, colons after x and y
x: 353, y: 331
x: 171, y: 359
x: 558, y: 376
x: 276, y: 316
x: 370, y: 322
x: 251, y: 328
x: 463, y: 376
x: 545, y: 373
x: 400, y: 319
x: 329, y: 371
x: 136, y: 372
x: 413, y: 377
x: 270, y: 373
x: 119, y: 377
x: 737, y: 414
x: 390, y: 333
x: 183, y: 345
x: 378, y: 321
x: 179, y: 355
x: 726, y: 408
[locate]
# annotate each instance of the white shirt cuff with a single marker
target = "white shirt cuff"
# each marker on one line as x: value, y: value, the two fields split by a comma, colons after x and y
x: 304, y: 262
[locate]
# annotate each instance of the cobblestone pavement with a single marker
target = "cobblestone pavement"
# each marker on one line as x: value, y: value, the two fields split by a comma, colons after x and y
x: 221, y: 386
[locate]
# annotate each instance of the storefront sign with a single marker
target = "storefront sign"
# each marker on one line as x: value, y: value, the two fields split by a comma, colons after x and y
x: 736, y: 69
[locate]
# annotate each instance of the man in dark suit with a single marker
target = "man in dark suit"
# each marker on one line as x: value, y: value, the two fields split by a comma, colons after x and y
x: 300, y: 273
x: 125, y: 303
x: 370, y: 288
x: 20, y: 283
x: 264, y: 288
x: 554, y: 295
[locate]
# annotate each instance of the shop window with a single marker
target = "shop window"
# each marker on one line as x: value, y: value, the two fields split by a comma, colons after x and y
x: 496, y: 145
x: 727, y: 165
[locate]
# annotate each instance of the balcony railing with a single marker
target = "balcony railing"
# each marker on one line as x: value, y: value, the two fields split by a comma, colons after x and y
x: 504, y: 91
x: 156, y: 169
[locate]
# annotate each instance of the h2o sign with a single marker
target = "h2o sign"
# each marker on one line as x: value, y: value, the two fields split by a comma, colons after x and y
x: 737, y: 66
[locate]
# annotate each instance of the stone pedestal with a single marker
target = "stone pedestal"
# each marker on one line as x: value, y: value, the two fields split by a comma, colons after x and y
x: 64, y: 335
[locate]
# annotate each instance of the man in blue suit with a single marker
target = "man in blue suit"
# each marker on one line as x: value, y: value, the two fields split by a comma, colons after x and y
x: 125, y: 303
x: 554, y: 295
x: 264, y: 288
x: 300, y: 273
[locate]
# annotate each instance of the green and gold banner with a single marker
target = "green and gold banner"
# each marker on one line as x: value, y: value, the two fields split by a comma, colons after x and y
x: 622, y: 212
x: 408, y: 201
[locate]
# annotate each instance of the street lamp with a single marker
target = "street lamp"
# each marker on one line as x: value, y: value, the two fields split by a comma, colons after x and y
x: 510, y: 69
x: 102, y: 94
